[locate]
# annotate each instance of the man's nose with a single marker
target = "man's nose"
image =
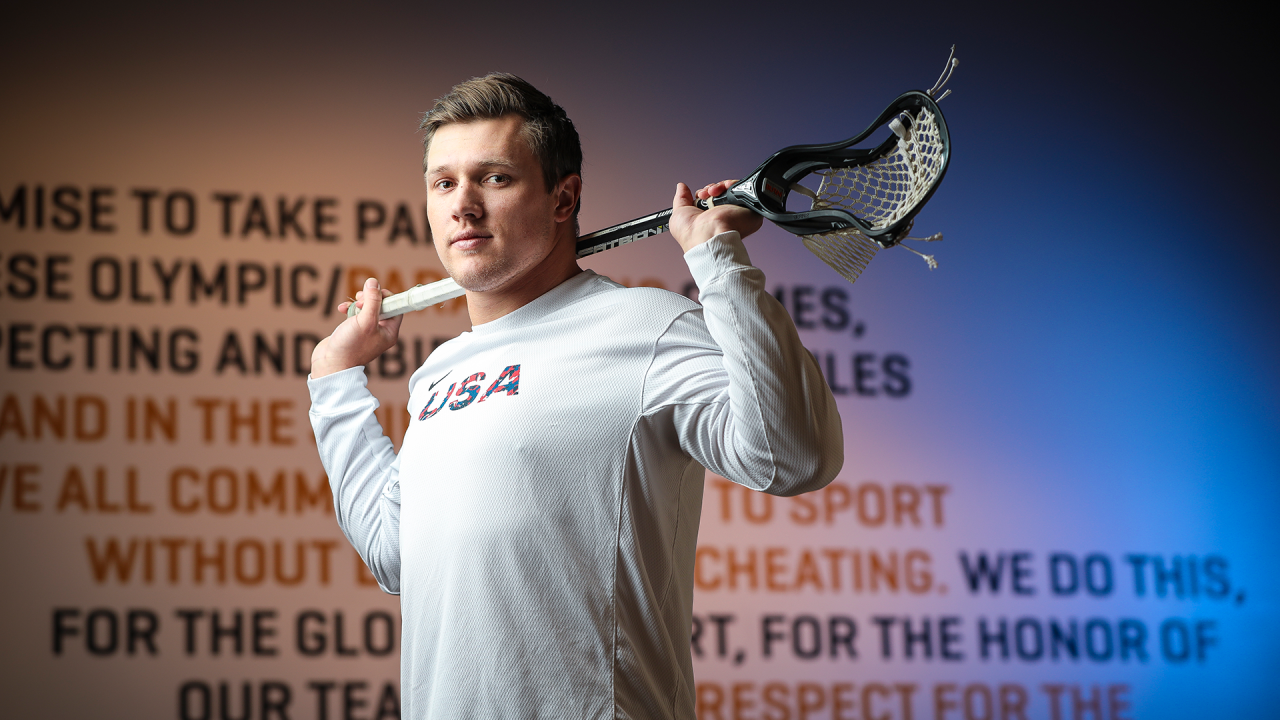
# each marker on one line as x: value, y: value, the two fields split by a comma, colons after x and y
x: 468, y: 202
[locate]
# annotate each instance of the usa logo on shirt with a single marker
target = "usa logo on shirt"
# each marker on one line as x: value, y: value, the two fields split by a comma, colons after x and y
x: 468, y: 390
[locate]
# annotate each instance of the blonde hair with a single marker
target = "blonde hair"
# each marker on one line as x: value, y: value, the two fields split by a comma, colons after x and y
x: 548, y: 130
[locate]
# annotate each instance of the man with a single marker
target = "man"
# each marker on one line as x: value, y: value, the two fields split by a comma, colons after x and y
x: 540, y: 520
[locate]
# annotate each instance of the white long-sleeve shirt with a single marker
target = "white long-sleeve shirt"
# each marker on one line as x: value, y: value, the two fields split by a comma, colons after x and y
x: 541, y: 518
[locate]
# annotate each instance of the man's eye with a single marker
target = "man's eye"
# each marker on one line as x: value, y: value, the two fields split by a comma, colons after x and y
x: 497, y: 178
x: 444, y: 184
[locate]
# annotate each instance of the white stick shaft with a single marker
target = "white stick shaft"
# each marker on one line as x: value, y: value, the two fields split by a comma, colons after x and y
x: 419, y: 297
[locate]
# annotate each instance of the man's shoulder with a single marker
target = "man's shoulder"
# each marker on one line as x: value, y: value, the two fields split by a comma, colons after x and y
x: 641, y: 298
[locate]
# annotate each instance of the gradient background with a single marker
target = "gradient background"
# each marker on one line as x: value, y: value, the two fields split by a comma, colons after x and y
x: 1092, y: 366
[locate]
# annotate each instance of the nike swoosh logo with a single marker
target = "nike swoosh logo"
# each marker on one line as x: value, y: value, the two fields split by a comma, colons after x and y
x: 432, y: 385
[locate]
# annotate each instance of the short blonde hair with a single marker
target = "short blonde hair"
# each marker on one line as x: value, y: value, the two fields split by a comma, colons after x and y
x: 548, y: 130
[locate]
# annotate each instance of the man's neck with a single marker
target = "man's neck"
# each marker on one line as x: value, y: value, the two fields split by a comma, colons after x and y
x: 557, y: 267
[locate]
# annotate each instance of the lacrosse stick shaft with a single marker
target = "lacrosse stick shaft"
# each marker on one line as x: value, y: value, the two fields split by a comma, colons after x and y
x: 419, y: 297
x: 612, y: 237
x: 422, y: 297
x: 638, y: 229
x: 766, y: 189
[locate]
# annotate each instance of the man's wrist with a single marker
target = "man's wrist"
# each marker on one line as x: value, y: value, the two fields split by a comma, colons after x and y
x: 319, y: 374
x: 328, y: 366
x: 718, y: 228
x: 722, y: 234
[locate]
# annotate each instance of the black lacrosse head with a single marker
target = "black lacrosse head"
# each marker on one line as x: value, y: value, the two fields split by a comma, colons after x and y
x: 767, y: 188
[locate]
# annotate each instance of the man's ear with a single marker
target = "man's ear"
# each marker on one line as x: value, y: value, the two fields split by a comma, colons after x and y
x: 567, y: 193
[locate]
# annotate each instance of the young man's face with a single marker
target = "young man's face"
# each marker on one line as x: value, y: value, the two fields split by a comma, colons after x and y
x: 491, y: 216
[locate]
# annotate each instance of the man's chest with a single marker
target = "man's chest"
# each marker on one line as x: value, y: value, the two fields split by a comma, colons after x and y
x: 538, y: 406
x: 518, y: 442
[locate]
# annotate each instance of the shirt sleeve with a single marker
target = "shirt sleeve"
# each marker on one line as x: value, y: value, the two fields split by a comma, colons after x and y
x: 747, y: 398
x: 363, y: 470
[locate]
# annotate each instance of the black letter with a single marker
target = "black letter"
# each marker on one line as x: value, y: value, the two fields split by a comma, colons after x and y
x: 144, y: 208
x: 320, y: 219
x: 97, y: 210
x: 287, y: 216
x: 767, y: 634
x: 863, y: 374
x: 310, y: 644
x: 897, y: 383
x: 226, y: 200
x: 17, y: 206
x: 1017, y: 563
x: 835, y: 316
x: 170, y: 215
x: 801, y: 306
x: 69, y: 217
x: 27, y: 275
x: 363, y: 222
x: 1058, y: 584
x: 60, y: 629
x: 53, y: 278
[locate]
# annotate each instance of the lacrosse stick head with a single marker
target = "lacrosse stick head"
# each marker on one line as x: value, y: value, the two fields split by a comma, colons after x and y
x: 866, y: 199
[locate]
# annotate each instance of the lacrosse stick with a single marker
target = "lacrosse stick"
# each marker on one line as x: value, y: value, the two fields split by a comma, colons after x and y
x: 866, y: 199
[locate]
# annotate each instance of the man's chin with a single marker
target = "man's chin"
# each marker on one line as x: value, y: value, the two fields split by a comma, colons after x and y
x: 477, y: 280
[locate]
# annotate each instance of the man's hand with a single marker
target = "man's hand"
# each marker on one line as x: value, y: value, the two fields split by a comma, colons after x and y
x: 359, y: 339
x: 691, y: 227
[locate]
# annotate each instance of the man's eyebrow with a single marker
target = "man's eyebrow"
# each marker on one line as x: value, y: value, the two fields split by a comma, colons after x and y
x: 489, y: 163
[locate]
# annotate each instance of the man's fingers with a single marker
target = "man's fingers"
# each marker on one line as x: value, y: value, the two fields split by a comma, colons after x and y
x: 715, y: 189
x: 720, y: 188
x: 390, y: 324
x: 372, y: 305
x: 683, y: 198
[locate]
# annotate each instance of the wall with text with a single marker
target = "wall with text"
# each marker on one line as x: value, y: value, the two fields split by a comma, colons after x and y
x: 1061, y: 445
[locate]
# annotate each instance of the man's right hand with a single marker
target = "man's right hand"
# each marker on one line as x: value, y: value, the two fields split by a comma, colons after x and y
x: 691, y: 227
x: 360, y: 338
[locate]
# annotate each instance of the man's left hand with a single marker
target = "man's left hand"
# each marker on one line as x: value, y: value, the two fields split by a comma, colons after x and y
x: 691, y: 227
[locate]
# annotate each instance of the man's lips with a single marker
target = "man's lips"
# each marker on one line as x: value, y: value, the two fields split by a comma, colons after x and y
x: 468, y: 240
